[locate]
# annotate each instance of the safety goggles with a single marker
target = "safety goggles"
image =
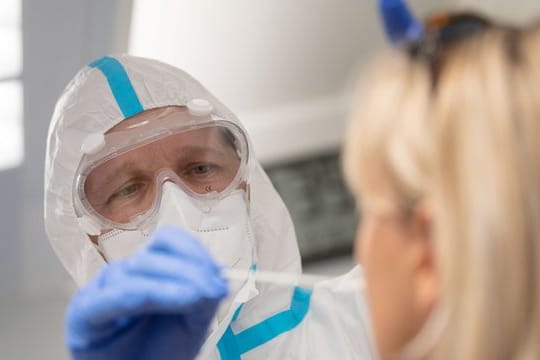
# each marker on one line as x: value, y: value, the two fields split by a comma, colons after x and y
x: 119, y: 182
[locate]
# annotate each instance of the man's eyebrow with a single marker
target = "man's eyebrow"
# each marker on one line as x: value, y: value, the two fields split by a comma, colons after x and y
x: 112, y: 175
x: 201, y: 149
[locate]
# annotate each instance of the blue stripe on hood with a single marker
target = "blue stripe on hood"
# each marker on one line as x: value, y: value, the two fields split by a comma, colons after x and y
x: 120, y: 85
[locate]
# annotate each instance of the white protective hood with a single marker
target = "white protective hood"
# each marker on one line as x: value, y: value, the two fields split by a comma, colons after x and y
x: 89, y: 105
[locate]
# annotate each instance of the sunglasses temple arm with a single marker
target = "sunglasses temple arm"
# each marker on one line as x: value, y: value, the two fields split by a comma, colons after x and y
x: 399, y: 23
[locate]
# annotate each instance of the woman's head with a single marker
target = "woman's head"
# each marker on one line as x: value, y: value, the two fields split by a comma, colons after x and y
x: 443, y: 158
x: 386, y: 163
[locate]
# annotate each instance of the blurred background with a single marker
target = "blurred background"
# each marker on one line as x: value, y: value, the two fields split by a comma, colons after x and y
x: 283, y: 66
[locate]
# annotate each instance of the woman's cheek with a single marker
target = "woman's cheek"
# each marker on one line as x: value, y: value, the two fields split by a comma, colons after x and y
x: 377, y: 264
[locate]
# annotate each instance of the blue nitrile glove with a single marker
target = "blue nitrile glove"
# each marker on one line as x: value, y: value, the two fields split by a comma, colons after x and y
x: 399, y: 24
x: 155, y: 304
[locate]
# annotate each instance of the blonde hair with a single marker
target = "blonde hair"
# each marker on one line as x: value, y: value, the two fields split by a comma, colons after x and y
x: 471, y: 146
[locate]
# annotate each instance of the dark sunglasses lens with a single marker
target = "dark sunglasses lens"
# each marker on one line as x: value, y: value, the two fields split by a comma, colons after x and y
x: 461, y: 26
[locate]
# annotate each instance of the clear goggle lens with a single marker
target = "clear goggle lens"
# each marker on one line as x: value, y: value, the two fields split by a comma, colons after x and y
x: 121, y: 185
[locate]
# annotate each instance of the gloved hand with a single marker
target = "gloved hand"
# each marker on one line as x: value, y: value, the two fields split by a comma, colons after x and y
x: 156, y: 304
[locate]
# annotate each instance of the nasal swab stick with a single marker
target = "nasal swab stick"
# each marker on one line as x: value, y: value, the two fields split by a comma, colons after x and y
x: 276, y: 278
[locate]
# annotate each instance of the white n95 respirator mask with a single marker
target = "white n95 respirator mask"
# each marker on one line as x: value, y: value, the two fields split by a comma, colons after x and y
x: 222, y: 225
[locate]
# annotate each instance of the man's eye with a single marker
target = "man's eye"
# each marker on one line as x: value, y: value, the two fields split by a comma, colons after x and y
x: 126, y: 191
x: 202, y: 169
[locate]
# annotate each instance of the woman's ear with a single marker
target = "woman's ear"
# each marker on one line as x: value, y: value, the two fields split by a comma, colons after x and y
x: 425, y: 274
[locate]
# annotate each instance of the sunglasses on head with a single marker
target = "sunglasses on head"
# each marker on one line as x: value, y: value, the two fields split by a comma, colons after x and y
x: 441, y: 32
x: 445, y: 29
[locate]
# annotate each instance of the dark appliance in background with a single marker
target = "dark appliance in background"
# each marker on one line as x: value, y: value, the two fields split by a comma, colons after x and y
x: 322, y: 209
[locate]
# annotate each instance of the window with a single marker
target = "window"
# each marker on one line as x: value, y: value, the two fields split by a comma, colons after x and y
x: 11, y: 127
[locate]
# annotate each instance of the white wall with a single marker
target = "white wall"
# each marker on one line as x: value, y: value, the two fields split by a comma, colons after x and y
x: 256, y: 54
x: 512, y: 11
